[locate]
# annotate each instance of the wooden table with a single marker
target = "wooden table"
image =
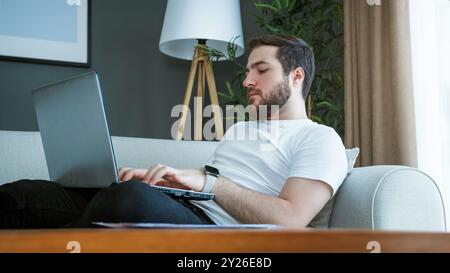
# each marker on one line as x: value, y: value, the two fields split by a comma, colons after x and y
x: 222, y: 241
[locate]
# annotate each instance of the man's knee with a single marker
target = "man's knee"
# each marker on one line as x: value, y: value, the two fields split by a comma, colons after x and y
x: 136, y: 202
x: 33, y: 204
x: 130, y: 201
x: 23, y: 193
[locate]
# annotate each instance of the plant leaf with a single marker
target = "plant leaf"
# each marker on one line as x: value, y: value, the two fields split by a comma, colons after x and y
x: 266, y: 6
x: 278, y: 4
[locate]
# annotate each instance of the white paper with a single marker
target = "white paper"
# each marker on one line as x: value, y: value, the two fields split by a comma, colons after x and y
x: 183, y: 226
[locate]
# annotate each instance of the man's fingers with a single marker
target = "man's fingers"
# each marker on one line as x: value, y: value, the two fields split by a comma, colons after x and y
x: 151, y: 176
x: 151, y: 171
x: 129, y: 174
x: 122, y: 172
x: 157, y: 175
x: 160, y: 175
x: 171, y: 174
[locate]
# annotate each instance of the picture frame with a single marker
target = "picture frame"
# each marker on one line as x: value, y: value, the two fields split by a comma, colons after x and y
x: 46, y: 31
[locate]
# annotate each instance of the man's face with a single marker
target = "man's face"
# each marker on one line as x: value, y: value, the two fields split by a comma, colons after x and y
x: 265, y: 80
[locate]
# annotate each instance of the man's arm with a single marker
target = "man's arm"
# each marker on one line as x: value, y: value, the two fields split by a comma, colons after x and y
x: 299, y: 201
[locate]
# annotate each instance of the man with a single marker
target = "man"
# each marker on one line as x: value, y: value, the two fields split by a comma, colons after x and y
x: 284, y: 178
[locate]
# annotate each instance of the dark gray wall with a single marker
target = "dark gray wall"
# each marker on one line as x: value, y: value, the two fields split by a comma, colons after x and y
x: 140, y: 84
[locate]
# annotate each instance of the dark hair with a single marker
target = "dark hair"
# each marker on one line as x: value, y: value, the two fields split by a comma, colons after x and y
x: 292, y: 52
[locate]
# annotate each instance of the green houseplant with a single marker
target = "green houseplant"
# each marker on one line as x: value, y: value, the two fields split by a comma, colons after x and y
x: 320, y: 23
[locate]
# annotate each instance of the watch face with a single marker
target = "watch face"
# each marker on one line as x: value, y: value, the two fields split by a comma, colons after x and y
x: 212, y: 170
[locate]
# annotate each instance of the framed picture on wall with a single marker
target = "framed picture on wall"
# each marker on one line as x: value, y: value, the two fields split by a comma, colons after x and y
x: 45, y: 31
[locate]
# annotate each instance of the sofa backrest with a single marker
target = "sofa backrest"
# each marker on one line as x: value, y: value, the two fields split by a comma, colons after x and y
x: 22, y: 155
x: 145, y: 152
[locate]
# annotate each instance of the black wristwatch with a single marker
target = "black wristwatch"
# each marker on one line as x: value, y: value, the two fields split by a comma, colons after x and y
x: 211, y: 176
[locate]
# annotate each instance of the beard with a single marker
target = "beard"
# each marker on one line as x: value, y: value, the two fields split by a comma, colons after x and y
x: 274, y: 101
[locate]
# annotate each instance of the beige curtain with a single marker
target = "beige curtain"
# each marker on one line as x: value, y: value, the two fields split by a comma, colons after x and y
x: 379, y: 106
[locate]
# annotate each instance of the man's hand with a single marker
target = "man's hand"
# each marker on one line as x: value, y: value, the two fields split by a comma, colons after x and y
x: 162, y: 175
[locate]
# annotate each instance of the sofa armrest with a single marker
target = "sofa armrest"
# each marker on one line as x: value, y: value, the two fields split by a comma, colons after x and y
x: 389, y: 198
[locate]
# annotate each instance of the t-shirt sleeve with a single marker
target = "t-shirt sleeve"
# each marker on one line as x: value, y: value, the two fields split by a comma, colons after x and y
x: 320, y: 155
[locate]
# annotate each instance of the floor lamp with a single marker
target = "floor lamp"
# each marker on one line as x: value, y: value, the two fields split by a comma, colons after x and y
x: 188, y: 26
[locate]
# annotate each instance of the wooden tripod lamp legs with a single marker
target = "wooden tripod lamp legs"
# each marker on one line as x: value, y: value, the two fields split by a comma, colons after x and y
x: 217, y: 113
x: 187, y: 98
x: 204, y: 65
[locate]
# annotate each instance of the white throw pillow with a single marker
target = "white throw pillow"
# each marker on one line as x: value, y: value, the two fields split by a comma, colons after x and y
x: 352, y: 155
x: 322, y: 219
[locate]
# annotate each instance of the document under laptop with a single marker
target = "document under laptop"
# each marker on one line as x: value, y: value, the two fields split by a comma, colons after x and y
x: 76, y: 138
x: 187, y: 226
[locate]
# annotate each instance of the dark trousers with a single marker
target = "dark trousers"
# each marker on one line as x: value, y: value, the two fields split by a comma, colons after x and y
x: 45, y: 204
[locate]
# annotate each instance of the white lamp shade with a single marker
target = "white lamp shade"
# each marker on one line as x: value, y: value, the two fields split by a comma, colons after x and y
x: 185, y: 21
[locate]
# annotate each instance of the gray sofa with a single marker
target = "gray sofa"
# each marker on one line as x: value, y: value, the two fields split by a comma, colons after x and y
x: 375, y: 198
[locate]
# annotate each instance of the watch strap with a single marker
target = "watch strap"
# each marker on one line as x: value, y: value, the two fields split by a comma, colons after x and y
x: 209, y: 183
x: 211, y: 174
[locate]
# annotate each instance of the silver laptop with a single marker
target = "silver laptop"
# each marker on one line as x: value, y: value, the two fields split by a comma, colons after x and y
x: 76, y: 138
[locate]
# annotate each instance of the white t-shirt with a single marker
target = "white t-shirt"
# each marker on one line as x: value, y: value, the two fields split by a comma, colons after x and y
x: 262, y: 155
